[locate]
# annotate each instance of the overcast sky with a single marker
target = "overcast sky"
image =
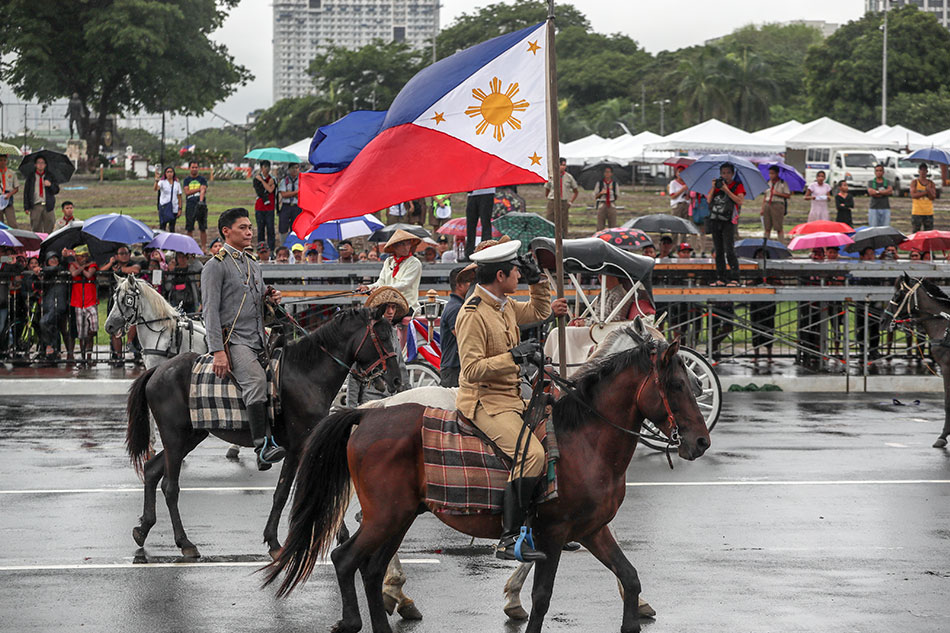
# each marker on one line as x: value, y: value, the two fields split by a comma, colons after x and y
x: 247, y: 33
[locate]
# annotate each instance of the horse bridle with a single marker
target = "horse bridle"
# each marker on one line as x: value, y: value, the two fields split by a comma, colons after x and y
x: 377, y: 368
x: 131, y: 301
x: 910, y: 304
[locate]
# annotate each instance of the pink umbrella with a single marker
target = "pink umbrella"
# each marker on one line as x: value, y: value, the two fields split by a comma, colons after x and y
x: 819, y: 240
x: 456, y: 227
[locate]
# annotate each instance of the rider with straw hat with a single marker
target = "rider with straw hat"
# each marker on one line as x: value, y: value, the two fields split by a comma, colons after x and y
x: 491, y: 352
x: 401, y: 270
x: 383, y: 303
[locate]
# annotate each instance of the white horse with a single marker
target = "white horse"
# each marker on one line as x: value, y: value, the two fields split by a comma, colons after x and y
x: 616, y: 340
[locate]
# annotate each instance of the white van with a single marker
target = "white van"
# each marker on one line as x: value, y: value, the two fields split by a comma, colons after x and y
x: 854, y: 165
x: 900, y: 172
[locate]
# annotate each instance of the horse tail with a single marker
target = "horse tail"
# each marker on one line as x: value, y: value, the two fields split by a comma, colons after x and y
x: 137, y: 434
x: 320, y: 500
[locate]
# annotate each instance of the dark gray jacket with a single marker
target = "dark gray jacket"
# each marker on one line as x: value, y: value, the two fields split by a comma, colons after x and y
x: 232, y: 292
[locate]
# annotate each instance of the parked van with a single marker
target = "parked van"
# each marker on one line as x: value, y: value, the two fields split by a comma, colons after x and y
x: 854, y: 165
x: 901, y: 172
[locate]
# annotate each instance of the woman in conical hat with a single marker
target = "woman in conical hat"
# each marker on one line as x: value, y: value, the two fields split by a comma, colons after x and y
x: 401, y: 270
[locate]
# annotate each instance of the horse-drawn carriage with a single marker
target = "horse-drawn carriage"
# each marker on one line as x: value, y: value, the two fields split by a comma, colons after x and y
x: 594, y: 319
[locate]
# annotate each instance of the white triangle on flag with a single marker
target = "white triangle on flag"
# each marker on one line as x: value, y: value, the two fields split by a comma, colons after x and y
x: 502, y: 107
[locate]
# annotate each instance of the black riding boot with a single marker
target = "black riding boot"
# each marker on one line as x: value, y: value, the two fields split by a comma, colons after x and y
x: 519, y: 494
x: 268, y: 452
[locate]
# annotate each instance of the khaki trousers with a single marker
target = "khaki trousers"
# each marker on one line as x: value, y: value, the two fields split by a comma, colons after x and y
x: 9, y: 216
x: 42, y: 219
x: 773, y: 216
x: 503, y: 429
x: 606, y: 216
x: 565, y: 205
x: 681, y: 210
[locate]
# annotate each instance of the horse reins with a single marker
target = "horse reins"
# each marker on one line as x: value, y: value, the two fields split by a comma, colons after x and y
x: 131, y: 302
x: 367, y: 374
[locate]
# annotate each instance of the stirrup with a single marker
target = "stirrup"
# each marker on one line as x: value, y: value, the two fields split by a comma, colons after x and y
x: 270, y: 452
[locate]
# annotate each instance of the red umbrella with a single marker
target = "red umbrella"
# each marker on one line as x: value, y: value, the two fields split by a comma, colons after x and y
x: 927, y: 241
x: 821, y: 226
x: 680, y: 161
x: 625, y: 238
x: 456, y: 227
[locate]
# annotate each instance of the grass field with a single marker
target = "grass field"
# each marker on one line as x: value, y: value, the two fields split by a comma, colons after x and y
x: 136, y: 198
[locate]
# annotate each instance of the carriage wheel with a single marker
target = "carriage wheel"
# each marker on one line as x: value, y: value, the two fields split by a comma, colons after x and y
x: 422, y: 374
x: 708, y: 394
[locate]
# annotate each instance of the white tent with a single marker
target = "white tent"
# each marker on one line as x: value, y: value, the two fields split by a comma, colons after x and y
x: 576, y: 151
x: 825, y: 132
x: 714, y: 136
x: 940, y: 139
x: 901, y: 135
x: 778, y: 133
x: 301, y: 148
x: 632, y: 149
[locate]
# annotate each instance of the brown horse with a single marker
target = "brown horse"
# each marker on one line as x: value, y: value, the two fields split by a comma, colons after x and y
x: 381, y: 450
x: 312, y: 372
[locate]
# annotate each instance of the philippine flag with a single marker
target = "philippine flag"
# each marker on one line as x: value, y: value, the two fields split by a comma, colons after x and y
x: 473, y: 120
x: 417, y: 343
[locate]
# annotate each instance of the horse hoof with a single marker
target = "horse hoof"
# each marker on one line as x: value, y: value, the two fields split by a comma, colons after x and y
x: 940, y: 443
x: 343, y: 627
x: 408, y: 611
x: 234, y: 454
x: 389, y: 603
x: 139, y: 535
x: 645, y: 610
x: 190, y: 552
x: 516, y: 613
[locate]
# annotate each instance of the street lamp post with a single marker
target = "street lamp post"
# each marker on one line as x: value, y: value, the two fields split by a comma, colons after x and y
x: 662, y: 103
x: 884, y: 68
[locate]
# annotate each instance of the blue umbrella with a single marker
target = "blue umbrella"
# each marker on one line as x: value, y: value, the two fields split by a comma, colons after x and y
x: 178, y: 242
x: 700, y: 175
x: 794, y: 180
x: 329, y: 252
x: 931, y: 155
x: 346, y: 228
x: 773, y: 249
x: 115, y: 227
x: 8, y: 240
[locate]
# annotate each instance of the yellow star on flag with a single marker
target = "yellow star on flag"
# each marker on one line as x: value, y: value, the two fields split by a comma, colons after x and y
x: 439, y: 117
x: 533, y: 47
x: 535, y: 159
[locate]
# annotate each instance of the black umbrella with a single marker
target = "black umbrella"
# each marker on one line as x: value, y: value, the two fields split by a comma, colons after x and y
x: 876, y: 237
x: 662, y: 223
x: 592, y: 174
x: 30, y: 240
x: 383, y: 234
x: 57, y: 164
x: 71, y: 236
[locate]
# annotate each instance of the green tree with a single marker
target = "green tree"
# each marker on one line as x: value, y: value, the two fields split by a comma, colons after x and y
x: 924, y: 112
x: 222, y: 140
x: 119, y: 56
x: 142, y: 141
x: 703, y: 89
x: 750, y: 88
x: 592, y: 67
x: 843, y: 75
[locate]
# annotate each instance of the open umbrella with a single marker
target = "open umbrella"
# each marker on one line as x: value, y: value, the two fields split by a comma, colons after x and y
x: 57, y: 164
x: 875, y: 237
x: 524, y: 227
x: 347, y: 228
x: 931, y: 155
x: 927, y: 241
x: 794, y: 180
x: 9, y: 150
x: 818, y: 240
x: 30, y: 240
x: 329, y: 252
x: 115, y: 227
x: 383, y: 234
x: 8, y: 240
x: 773, y: 249
x: 457, y: 228
x: 178, y: 242
x: 71, y: 236
x: 273, y: 154
x: 627, y: 239
x: 661, y: 223
x: 679, y: 161
x: 700, y: 175
x: 821, y: 226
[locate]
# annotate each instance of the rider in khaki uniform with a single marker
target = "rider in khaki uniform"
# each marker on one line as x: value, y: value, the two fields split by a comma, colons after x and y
x: 490, y: 352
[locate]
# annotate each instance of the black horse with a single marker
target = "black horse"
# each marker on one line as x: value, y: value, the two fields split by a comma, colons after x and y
x: 923, y: 303
x: 313, y: 371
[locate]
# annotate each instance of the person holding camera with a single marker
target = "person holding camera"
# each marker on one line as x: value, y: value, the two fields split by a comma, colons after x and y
x: 725, y: 201
x: 265, y: 187
x: 491, y: 353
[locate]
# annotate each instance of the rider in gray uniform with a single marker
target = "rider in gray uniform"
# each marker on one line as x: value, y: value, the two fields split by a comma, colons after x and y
x: 232, y: 299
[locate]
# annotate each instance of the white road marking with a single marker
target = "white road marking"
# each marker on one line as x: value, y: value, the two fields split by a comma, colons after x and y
x: 839, y: 482
x: 895, y: 444
x: 71, y: 491
x: 82, y: 566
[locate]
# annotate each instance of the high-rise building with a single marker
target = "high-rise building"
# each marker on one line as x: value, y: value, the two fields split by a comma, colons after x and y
x: 939, y: 8
x: 306, y: 28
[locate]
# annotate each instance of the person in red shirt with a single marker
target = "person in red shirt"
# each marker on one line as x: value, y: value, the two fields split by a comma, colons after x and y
x: 84, y: 299
x: 266, y: 189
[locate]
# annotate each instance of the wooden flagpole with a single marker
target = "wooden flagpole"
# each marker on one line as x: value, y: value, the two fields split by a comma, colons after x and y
x: 554, y: 164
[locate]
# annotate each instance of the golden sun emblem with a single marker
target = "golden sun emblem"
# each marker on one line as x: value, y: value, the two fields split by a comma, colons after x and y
x: 496, y: 108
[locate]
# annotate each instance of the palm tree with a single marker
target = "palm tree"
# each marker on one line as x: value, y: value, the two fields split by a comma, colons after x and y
x: 703, y: 86
x: 752, y: 90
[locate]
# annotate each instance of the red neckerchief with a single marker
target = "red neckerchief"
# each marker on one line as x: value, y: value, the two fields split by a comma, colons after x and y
x: 607, y: 185
x: 40, y: 176
x: 398, y: 261
x: 3, y: 186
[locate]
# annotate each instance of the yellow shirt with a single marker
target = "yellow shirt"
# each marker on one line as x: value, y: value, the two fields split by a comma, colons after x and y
x: 486, y: 333
x: 921, y: 206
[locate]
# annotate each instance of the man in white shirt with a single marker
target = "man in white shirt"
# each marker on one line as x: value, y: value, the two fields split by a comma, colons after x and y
x: 679, y: 199
x: 567, y: 183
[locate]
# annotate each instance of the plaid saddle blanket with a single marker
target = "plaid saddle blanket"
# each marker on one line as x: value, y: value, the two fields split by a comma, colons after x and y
x: 216, y: 404
x: 465, y: 472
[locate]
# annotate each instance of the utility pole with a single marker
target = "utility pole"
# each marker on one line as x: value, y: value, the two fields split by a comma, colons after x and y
x: 161, y: 160
x: 25, y: 125
x: 643, y: 107
x: 887, y: 6
x: 662, y: 103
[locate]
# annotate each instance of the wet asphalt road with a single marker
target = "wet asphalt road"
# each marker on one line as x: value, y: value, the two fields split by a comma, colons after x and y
x: 783, y: 526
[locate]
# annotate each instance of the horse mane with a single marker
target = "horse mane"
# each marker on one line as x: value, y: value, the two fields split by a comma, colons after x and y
x: 571, y: 415
x: 155, y: 302
x: 307, y: 350
x: 936, y: 293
